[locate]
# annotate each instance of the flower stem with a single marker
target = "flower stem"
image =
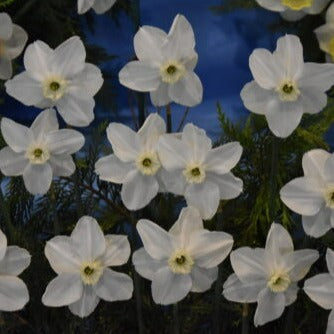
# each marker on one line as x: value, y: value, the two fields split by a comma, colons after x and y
x: 53, y: 204
x: 169, y: 118
x: 10, y: 230
x: 138, y: 297
x: 273, y: 178
x: 176, y: 324
x: 245, y: 322
x: 183, y: 119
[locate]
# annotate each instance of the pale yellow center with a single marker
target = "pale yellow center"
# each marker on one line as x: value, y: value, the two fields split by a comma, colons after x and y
x: 181, y: 262
x: 91, y: 272
x: 329, y: 196
x: 37, y: 154
x: 297, y: 4
x: 54, y: 88
x: 279, y: 281
x: 288, y: 91
x: 2, y: 47
x: 148, y: 163
x: 194, y: 173
x: 331, y: 48
x: 172, y: 71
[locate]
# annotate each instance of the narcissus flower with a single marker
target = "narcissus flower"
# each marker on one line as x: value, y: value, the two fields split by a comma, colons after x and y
x: 39, y: 152
x: 165, y: 66
x: 320, y: 289
x: 284, y: 87
x: 325, y: 34
x: 99, y: 6
x: 197, y: 171
x: 268, y: 276
x: 135, y: 162
x: 312, y: 195
x: 59, y: 78
x: 13, y: 261
x: 182, y: 260
x: 81, y: 262
x: 12, y: 41
x: 293, y: 10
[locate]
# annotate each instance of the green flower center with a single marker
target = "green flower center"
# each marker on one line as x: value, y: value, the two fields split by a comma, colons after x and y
x: 147, y: 162
x: 171, y: 69
x: 88, y: 271
x: 196, y: 171
x: 279, y: 282
x: 54, y: 86
x: 181, y: 259
x: 38, y: 153
x: 288, y: 89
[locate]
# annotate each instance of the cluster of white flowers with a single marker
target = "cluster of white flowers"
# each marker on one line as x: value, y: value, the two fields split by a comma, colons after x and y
x: 186, y: 258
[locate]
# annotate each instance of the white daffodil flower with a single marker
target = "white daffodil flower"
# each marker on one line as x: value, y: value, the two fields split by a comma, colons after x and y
x: 81, y: 262
x: 285, y: 87
x: 268, y: 276
x: 58, y: 78
x: 40, y: 152
x: 135, y: 162
x: 325, y: 34
x: 182, y: 260
x: 165, y: 66
x: 320, y: 289
x: 12, y: 41
x: 99, y: 6
x: 293, y: 10
x: 312, y: 195
x: 13, y: 261
x: 197, y: 171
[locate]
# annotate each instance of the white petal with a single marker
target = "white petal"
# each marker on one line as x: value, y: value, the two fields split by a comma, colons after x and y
x: 265, y: 69
x: 320, y: 289
x: 84, y: 5
x: 319, y: 224
x: 180, y: 40
x: 289, y: 53
x: 37, y: 60
x: 37, y: 178
x: 169, y: 288
x: 88, y: 81
x: 160, y: 97
x: 68, y: 58
x: 209, y: 249
x: 145, y: 265
x: 62, y: 165
x: 319, y: 76
x: 292, y: 15
x: 45, y: 122
x: 157, y: 242
x: 17, y: 136
x: 299, y: 263
x: 173, y: 152
x: 86, y: 304
x: 330, y: 14
x: 12, y: 163
x: 248, y: 264
x: 88, y: 239
x: 112, y: 169
x: 257, y: 99
x: 125, y: 142
x: 317, y: 7
x: 114, y: 286
x: 188, y: 91
x: 202, y: 278
x: 138, y: 190
x: 13, y: 293
x: 312, y: 100
x: 147, y: 43
x: 270, y: 306
x: 6, y: 69
x: 3, y: 245
x: 102, y: 6
x: 173, y: 182
x: 117, y: 250
x: 76, y: 110
x: 63, y: 290
x: 222, y: 159
x: 273, y: 5
x: 25, y: 89
x: 15, y: 45
x: 198, y: 143
x: 302, y: 195
x: 242, y: 292
x: 330, y: 261
x: 15, y: 261
x: 291, y: 294
x: 203, y: 196
x: 229, y: 186
x: 328, y: 170
x: 314, y: 163
x: 140, y: 76
x: 6, y: 26
x: 64, y: 141
x: 188, y: 222
x: 62, y: 255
